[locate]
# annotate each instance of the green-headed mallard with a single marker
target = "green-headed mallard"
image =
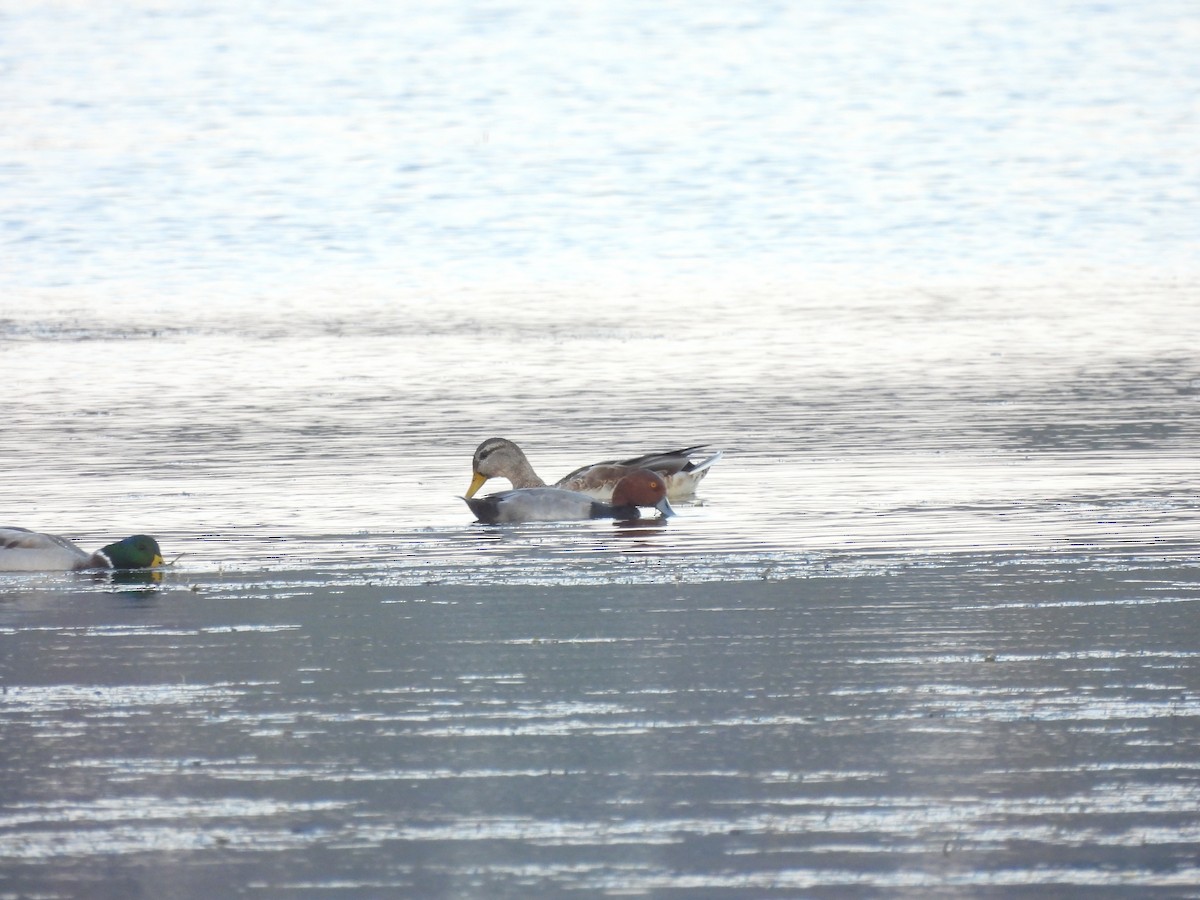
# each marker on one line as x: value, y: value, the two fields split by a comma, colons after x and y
x: 22, y: 550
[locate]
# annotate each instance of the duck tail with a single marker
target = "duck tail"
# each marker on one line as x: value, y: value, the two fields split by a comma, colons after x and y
x: 706, y: 464
x: 486, y: 509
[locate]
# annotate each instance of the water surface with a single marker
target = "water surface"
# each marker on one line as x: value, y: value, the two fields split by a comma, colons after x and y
x: 927, y: 275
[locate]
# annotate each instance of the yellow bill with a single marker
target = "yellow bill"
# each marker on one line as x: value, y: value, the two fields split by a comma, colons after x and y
x: 477, y: 482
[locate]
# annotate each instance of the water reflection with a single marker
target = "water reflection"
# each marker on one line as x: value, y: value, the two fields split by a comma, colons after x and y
x: 751, y: 732
x: 639, y: 528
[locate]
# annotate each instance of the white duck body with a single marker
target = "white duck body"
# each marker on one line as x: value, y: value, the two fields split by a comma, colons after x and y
x: 22, y: 550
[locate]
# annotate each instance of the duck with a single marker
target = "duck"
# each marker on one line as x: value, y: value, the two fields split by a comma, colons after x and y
x: 22, y: 550
x: 501, y: 458
x: 641, y: 487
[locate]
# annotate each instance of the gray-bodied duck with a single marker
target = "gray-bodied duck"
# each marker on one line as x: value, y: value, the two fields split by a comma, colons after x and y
x: 638, y: 488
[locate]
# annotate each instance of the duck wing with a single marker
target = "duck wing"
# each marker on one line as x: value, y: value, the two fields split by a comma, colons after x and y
x: 675, y: 466
x: 667, y: 461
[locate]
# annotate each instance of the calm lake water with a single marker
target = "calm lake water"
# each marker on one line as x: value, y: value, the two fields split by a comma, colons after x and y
x: 929, y: 274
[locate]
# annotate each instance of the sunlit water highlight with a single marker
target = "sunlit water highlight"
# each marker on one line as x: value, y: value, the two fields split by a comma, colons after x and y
x: 927, y: 276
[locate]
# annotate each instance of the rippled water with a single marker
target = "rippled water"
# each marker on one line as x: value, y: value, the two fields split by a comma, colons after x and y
x: 862, y: 426
x: 955, y: 728
x: 928, y: 277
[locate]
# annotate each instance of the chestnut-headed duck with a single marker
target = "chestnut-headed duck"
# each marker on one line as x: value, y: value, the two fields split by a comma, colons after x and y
x: 22, y: 550
x: 638, y: 488
x: 501, y: 458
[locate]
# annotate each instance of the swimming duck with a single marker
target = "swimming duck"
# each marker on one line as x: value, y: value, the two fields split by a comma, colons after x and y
x: 22, y: 550
x: 501, y: 458
x: 640, y: 487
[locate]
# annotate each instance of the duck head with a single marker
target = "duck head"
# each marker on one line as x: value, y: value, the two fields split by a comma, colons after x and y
x: 137, y: 552
x: 643, y: 488
x: 500, y: 458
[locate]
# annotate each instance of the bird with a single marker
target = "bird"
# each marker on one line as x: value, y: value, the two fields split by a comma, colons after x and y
x: 22, y: 550
x: 501, y: 458
x: 641, y: 487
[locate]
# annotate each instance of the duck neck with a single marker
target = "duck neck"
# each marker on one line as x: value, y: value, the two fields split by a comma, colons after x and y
x: 523, y: 476
x: 98, y: 560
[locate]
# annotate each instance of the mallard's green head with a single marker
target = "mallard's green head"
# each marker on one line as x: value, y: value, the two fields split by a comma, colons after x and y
x: 137, y: 552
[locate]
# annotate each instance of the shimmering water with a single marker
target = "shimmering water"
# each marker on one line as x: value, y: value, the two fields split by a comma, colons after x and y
x: 926, y: 272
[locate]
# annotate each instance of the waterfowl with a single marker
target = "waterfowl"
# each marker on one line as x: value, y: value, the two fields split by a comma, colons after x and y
x: 501, y: 458
x: 638, y: 488
x: 22, y: 550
